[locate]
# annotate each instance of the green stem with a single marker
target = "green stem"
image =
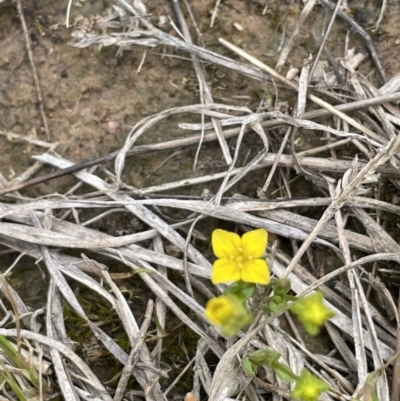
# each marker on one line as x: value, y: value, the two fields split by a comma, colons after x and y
x: 286, y: 369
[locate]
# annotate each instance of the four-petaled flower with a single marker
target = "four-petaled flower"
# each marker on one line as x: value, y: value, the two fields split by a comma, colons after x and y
x: 312, y: 312
x: 240, y: 258
x: 229, y: 313
x: 308, y: 387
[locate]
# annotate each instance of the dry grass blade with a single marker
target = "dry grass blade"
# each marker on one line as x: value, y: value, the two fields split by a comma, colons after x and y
x: 139, y: 129
x: 144, y: 214
x: 355, y: 305
x: 160, y: 308
x: 364, y: 34
x: 34, y: 70
x: 134, y: 354
x: 228, y: 373
x: 292, y: 85
x: 289, y: 44
x: 37, y: 142
x: 159, y: 292
x: 382, y: 388
x: 204, y: 87
x: 63, y: 377
x: 384, y: 154
x: 121, y: 307
x: 194, y: 140
x: 346, y: 353
x: 396, y: 366
x: 236, y: 203
x: 139, y: 349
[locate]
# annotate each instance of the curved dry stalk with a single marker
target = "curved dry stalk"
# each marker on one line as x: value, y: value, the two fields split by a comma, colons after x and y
x: 194, y: 140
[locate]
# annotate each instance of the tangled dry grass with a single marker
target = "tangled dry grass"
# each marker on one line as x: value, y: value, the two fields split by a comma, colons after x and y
x: 353, y: 115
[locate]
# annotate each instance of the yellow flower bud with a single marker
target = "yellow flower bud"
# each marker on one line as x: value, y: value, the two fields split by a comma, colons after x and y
x: 308, y: 387
x: 220, y: 310
x: 229, y: 313
x: 312, y: 312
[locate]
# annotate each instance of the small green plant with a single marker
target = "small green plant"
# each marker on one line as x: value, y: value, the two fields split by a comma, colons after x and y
x: 241, y: 262
x: 18, y: 373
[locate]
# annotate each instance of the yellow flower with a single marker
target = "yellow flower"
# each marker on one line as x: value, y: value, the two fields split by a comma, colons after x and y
x: 312, y: 312
x: 229, y: 313
x: 240, y: 258
x: 308, y: 387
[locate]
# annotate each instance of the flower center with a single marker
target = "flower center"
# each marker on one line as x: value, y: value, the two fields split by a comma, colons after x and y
x: 310, y: 392
x: 239, y: 261
x: 316, y: 314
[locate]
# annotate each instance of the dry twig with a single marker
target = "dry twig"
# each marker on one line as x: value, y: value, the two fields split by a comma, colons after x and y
x: 34, y: 71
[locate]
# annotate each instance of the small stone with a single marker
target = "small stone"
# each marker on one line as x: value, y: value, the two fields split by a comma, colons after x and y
x: 112, y: 127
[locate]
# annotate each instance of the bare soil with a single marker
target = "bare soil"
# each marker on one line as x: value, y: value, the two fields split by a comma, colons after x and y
x: 92, y: 96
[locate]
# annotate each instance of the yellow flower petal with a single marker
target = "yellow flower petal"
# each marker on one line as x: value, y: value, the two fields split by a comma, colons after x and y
x: 256, y: 271
x: 225, y: 270
x: 254, y: 243
x: 225, y: 244
x: 219, y: 310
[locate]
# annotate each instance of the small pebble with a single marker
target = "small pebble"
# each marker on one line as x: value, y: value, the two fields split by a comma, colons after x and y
x: 112, y: 127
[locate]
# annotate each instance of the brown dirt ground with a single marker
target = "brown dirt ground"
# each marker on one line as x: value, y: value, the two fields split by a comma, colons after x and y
x: 85, y: 89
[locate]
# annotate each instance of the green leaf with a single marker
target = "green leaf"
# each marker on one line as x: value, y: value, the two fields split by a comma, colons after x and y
x: 241, y: 290
x: 370, y: 386
x: 277, y: 307
x: 281, y: 286
x: 13, y: 384
x: 264, y: 357
x: 160, y: 328
x: 249, y: 368
x: 276, y: 304
x: 18, y: 359
x: 33, y: 377
x: 9, y: 350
